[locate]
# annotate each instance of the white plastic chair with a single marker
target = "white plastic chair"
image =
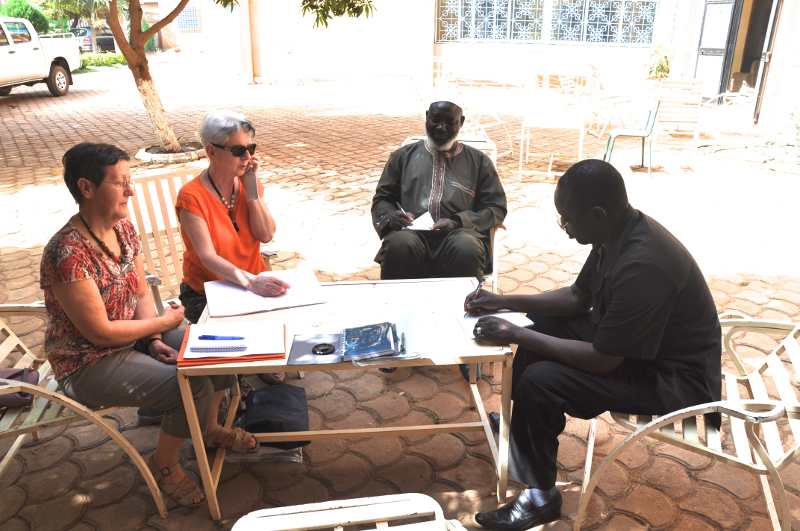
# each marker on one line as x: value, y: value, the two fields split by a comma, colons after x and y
x: 398, y: 512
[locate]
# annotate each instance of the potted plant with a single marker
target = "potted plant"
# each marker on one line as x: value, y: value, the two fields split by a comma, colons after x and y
x: 657, y: 65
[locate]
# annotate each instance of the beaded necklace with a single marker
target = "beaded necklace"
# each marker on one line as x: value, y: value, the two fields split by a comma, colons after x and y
x: 123, y: 247
x: 229, y: 205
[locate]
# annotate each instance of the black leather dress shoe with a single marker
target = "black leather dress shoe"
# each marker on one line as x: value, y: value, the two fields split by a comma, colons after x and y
x: 521, y: 514
x: 494, y: 420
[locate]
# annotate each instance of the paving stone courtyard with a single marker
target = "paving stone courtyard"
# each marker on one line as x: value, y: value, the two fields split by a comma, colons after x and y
x: 323, y: 147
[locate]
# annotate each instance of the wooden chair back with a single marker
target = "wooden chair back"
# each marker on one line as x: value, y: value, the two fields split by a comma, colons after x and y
x: 681, y: 100
x: 154, y: 217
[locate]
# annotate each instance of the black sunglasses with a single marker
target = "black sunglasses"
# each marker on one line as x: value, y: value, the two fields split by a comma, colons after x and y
x: 238, y: 150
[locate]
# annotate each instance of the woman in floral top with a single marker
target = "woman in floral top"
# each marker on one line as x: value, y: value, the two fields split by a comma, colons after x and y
x: 104, y: 340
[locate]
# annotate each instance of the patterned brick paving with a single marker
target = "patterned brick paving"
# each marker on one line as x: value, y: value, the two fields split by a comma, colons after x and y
x: 324, y: 146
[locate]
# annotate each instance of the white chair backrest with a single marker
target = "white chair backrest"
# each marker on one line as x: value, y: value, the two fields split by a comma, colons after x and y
x: 155, y: 220
x: 681, y: 99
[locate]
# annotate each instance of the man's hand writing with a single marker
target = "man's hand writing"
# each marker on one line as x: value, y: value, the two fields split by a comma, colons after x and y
x: 400, y: 220
x: 482, y: 303
x: 495, y: 330
x: 268, y: 286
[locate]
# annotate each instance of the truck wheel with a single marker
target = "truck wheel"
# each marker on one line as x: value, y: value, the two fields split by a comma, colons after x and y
x: 5, y: 91
x: 58, y: 82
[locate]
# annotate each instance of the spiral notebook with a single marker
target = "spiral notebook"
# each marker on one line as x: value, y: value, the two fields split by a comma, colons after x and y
x: 254, y: 341
x: 351, y: 344
x: 369, y: 342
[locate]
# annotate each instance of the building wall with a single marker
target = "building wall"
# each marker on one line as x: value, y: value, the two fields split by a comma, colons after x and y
x: 219, y: 39
x: 392, y: 42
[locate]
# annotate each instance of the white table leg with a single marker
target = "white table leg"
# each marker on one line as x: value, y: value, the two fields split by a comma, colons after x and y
x: 505, y: 428
x: 209, y: 487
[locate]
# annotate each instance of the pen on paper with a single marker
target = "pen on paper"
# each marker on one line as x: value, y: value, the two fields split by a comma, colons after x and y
x: 220, y: 338
x: 477, y: 290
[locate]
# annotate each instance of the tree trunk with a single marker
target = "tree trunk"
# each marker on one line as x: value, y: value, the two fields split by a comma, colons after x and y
x: 93, y: 24
x: 152, y: 103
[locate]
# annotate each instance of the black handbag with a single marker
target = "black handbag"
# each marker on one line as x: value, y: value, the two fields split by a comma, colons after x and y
x: 21, y: 375
x: 277, y: 408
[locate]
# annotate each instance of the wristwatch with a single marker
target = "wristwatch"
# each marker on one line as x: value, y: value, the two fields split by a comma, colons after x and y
x: 150, y: 341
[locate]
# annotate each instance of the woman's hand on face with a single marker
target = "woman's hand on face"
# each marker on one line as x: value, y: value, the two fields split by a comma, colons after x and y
x: 495, y: 330
x: 163, y: 352
x: 255, y: 162
x: 267, y: 286
x: 173, y: 316
x: 482, y: 303
x: 250, y: 179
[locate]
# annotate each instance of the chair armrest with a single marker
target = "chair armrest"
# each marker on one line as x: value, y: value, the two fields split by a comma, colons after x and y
x: 152, y: 280
x: 15, y: 310
x: 757, y: 325
x: 753, y: 411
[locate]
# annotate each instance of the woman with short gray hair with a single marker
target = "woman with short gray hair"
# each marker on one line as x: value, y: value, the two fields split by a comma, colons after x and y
x: 224, y: 218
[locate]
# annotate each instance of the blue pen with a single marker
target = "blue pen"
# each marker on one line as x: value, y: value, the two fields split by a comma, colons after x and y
x: 220, y: 338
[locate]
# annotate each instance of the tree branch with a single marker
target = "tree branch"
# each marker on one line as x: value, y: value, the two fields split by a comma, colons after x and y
x: 116, y: 29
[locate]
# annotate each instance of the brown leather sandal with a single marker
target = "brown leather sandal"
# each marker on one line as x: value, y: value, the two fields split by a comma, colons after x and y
x: 236, y: 441
x: 181, y: 493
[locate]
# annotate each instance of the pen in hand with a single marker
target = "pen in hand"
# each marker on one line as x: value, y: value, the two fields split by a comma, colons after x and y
x: 220, y: 338
x: 475, y: 293
x: 401, y: 208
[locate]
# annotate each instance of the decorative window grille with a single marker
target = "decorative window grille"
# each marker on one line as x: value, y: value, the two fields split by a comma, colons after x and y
x: 188, y: 19
x: 593, y: 21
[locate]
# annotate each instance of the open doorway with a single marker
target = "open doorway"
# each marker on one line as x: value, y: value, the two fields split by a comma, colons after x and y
x: 749, y: 44
x: 735, y: 46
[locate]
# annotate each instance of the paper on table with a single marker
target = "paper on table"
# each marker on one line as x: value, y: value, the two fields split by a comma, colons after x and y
x: 226, y: 298
x: 468, y: 323
x: 424, y: 222
x: 266, y: 337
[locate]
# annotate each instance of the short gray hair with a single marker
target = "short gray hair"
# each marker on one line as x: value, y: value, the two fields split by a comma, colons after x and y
x: 218, y: 126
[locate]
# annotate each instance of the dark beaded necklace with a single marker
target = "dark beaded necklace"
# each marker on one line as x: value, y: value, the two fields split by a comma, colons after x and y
x: 229, y: 205
x: 123, y: 247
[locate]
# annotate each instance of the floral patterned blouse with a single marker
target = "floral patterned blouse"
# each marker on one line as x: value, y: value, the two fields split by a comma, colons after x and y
x: 69, y: 257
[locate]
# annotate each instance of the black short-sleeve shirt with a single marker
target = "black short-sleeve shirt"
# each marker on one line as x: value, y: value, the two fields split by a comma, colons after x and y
x: 651, y: 305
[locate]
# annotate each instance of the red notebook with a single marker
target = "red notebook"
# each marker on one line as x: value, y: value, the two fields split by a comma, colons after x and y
x: 239, y: 358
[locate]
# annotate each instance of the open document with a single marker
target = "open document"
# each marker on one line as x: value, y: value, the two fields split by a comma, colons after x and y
x: 424, y: 222
x: 226, y: 298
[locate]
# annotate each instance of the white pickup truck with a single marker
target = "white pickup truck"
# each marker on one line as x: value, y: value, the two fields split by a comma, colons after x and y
x: 27, y: 59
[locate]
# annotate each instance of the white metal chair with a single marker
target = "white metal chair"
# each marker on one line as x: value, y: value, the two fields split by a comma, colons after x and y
x: 680, y: 102
x: 756, y: 436
x: 51, y: 408
x: 547, y: 112
x: 398, y: 512
x: 645, y: 133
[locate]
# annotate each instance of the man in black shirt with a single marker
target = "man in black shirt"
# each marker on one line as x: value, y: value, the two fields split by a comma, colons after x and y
x: 637, y: 332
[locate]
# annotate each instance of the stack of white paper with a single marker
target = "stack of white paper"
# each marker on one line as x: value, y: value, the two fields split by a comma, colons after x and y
x: 257, y: 338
